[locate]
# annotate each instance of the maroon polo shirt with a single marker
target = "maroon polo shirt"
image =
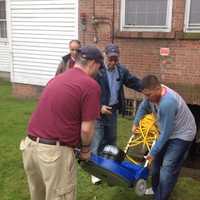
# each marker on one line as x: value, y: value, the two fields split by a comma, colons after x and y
x: 67, y: 100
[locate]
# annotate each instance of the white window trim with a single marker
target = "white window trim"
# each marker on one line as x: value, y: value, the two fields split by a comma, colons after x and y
x: 187, y: 28
x: 2, y: 40
x: 166, y: 28
x: 77, y: 19
x: 5, y: 39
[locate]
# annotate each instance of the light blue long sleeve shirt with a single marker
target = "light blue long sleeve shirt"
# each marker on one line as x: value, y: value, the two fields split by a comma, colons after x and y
x: 174, y: 119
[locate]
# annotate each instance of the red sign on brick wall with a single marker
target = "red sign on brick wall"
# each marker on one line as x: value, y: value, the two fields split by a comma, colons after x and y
x: 164, y: 51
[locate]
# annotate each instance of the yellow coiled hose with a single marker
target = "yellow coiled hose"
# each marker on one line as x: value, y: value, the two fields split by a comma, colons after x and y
x: 145, y: 135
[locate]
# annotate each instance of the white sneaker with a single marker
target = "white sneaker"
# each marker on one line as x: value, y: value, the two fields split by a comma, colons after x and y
x: 95, y: 180
x: 149, y: 191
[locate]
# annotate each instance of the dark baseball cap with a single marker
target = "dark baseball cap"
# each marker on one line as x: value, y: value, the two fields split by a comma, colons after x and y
x: 112, y: 50
x: 91, y: 53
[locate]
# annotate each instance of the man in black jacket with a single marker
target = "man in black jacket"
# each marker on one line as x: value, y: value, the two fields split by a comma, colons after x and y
x: 111, y: 78
x: 68, y: 60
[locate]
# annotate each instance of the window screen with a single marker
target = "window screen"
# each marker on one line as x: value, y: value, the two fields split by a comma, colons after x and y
x: 146, y: 12
x: 194, y: 12
x: 3, y: 32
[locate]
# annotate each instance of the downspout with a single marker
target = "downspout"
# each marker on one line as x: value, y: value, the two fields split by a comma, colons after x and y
x: 96, y: 39
x: 94, y: 5
x: 113, y: 22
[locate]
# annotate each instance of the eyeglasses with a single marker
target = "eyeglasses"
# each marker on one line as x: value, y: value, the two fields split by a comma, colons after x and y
x: 74, y: 49
x: 115, y: 59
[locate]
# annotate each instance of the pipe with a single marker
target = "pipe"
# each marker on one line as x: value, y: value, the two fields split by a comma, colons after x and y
x: 113, y: 22
x: 96, y: 39
x: 94, y: 5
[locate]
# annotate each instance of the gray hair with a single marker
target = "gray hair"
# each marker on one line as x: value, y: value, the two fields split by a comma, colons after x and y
x: 76, y: 41
x: 82, y: 61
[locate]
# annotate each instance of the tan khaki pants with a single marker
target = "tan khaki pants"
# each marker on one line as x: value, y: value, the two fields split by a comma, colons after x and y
x: 50, y: 169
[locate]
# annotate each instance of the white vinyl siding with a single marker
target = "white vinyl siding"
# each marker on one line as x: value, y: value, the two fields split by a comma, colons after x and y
x: 192, y: 16
x: 4, y: 57
x: 146, y: 15
x: 40, y: 33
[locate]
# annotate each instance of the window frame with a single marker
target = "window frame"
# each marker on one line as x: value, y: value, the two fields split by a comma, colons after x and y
x: 6, y: 21
x: 167, y: 28
x: 187, y: 27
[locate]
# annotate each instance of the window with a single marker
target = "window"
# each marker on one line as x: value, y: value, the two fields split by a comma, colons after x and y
x: 146, y: 15
x: 192, y: 16
x: 3, y: 31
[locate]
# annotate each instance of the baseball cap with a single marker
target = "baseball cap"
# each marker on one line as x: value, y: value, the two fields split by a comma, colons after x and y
x: 91, y: 53
x: 112, y: 50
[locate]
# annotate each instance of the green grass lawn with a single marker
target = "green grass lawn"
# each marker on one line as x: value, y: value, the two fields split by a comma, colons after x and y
x: 14, y: 115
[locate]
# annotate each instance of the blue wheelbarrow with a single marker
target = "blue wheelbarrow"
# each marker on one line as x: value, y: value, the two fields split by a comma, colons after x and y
x: 111, y: 167
x: 128, y: 167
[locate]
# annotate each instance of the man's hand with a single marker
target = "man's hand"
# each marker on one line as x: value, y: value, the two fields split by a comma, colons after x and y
x: 134, y: 129
x: 107, y: 110
x: 85, y: 154
x: 150, y: 158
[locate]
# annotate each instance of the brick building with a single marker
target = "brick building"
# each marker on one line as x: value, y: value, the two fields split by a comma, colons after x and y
x: 159, y: 37
x: 142, y: 44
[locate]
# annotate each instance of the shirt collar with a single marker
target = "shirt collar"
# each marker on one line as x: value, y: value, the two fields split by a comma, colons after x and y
x: 72, y: 58
x: 110, y: 70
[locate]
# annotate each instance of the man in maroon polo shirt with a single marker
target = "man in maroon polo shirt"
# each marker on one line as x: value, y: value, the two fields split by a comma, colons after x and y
x: 64, y: 119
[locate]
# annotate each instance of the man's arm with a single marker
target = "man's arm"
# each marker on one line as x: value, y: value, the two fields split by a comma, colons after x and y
x: 104, y: 109
x: 167, y: 116
x: 87, y: 132
x: 132, y: 81
x: 89, y: 113
x: 61, y: 68
x: 144, y: 108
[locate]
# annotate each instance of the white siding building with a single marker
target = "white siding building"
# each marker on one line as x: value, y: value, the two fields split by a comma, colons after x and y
x: 4, y: 56
x: 38, y: 32
x: 4, y: 47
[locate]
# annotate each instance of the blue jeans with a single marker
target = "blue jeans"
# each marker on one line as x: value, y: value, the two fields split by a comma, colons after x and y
x: 166, y: 167
x: 105, y: 132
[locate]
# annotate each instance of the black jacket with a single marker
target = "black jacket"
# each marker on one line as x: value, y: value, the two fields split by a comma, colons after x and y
x: 125, y: 78
x: 64, y: 64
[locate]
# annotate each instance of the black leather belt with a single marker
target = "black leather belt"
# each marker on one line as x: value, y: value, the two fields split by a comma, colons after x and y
x: 46, y: 141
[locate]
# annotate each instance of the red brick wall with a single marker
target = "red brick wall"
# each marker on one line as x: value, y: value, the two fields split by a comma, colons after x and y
x: 25, y: 91
x: 140, y: 51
